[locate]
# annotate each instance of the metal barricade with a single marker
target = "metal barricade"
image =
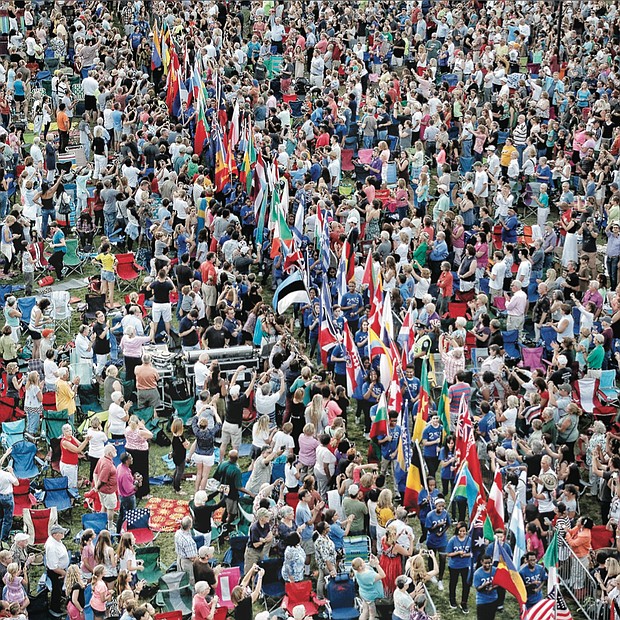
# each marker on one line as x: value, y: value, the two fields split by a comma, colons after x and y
x: 575, y: 578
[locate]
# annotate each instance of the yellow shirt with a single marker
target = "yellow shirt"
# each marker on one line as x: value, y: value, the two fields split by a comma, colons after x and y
x: 107, y: 261
x: 64, y: 397
x: 506, y: 155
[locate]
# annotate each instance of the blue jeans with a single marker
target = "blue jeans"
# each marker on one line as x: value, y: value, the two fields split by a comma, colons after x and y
x: 466, y: 144
x: 612, y: 269
x: 108, y: 223
x: 127, y: 504
x: 369, y: 142
x: 47, y: 215
x: 7, y: 505
x: 4, y: 204
x: 32, y: 422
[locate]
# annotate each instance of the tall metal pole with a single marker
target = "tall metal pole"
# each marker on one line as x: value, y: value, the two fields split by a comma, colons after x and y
x: 559, y: 34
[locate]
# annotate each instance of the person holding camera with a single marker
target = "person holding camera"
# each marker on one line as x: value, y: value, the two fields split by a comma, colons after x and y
x: 369, y: 578
x: 243, y: 597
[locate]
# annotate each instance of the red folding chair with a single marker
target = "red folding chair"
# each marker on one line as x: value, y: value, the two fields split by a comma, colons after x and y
x: 300, y: 593
x: 22, y: 497
x: 127, y: 270
x: 178, y: 615
x: 38, y: 523
x: 346, y: 161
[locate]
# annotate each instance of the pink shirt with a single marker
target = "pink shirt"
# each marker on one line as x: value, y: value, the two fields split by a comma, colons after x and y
x: 135, y: 441
x: 307, y: 450
x: 333, y: 411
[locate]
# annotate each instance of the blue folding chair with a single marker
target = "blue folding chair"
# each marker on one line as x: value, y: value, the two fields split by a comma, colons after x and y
x: 340, y: 593
x: 277, y: 471
x: 57, y: 494
x: 484, y: 286
x: 12, y: 432
x: 511, y: 344
x: 576, y: 320
x: 25, y: 460
x: 548, y: 335
x: 95, y: 521
x: 273, y: 584
x: 466, y: 164
x: 25, y: 305
x: 607, y: 385
x: 119, y: 444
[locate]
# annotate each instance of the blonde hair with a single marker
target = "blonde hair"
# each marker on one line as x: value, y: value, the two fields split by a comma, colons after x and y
x: 177, y: 427
x: 73, y: 576
x: 385, y: 499
x: 12, y: 569
x: 316, y: 410
x: 299, y: 394
x: 417, y: 569
x: 33, y: 379
x: 262, y: 424
x: 95, y: 423
x: 309, y: 429
x: 512, y: 401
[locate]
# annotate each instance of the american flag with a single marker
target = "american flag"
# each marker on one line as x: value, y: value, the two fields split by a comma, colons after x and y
x: 552, y: 607
x: 138, y: 519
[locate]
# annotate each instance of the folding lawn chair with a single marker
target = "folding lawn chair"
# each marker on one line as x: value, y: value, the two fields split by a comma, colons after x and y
x: 227, y: 579
x: 25, y: 305
x: 355, y: 547
x: 478, y: 355
x: 94, y: 304
x: 52, y: 423
x: 292, y: 499
x: 95, y: 521
x: 39, y: 257
x: 548, y: 336
x: 511, y: 344
x: 127, y: 270
x: 72, y: 260
x: 607, y: 386
x: 234, y: 556
x: 137, y: 522
x: 57, y: 495
x: 277, y: 471
x: 392, y: 174
x: 273, y: 584
x: 457, y: 308
x: 175, y: 593
x: 22, y: 497
x: 12, y: 432
x: 184, y: 409
x: 61, y: 311
x: 531, y: 358
x: 587, y: 394
x: 300, y: 593
x: 25, y: 459
x: 346, y: 163
x: 340, y: 594
x: 119, y: 444
x: 365, y: 156
x: 169, y: 615
x: 152, y: 570
x: 38, y: 524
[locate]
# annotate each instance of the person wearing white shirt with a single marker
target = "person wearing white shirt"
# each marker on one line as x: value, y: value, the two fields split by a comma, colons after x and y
x: 283, y: 440
x: 481, y: 184
x: 98, y: 440
x: 202, y: 372
x: 131, y: 319
x: 56, y: 564
x: 7, y: 503
x: 51, y: 371
x: 83, y: 344
x: 118, y: 416
x: 36, y: 153
x: 497, y: 275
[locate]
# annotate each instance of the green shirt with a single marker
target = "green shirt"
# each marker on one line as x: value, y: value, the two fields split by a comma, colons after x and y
x: 595, y: 358
x: 351, y: 506
x: 419, y: 254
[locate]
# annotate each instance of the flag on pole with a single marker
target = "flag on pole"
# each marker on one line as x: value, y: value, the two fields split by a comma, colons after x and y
x: 550, y: 562
x: 424, y: 404
x: 465, y: 486
x: 517, y: 527
x: 543, y: 610
x: 156, y: 61
x: 466, y: 443
x: 409, y: 465
x: 328, y: 331
x: 291, y: 290
x: 380, y: 423
x: 443, y: 408
x: 355, y: 370
x: 495, y: 507
x: 222, y: 172
x: 507, y: 576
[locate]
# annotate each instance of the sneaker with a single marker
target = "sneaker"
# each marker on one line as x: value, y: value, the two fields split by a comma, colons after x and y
x: 452, y: 605
x: 465, y: 609
x: 440, y: 585
x: 434, y: 580
x: 500, y: 608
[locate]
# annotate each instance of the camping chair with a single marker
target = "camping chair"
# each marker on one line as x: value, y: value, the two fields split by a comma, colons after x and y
x: 576, y: 320
x: 355, y: 547
x: 52, y: 423
x: 94, y: 304
x: 586, y: 395
x: 95, y: 521
x: 22, y: 497
x: 137, y: 522
x: 12, y: 432
x: 227, y: 579
x: 153, y: 570
x: 41, y: 264
x: 277, y: 471
x: 38, y: 524
x: 346, y: 162
x: 175, y: 593
x: 184, y: 409
x: 119, y: 444
x: 340, y: 593
x: 607, y: 386
x: 127, y: 270
x: 457, y: 308
x: 72, y: 261
x: 61, y: 311
x: 25, y: 305
x: 300, y: 593
x: 466, y: 164
x: 57, y: 495
x: 147, y: 415
x: 532, y: 358
x: 365, y: 156
x: 532, y: 292
x: 548, y: 336
x: 235, y: 555
x: 273, y: 584
x: 511, y: 343
x: 25, y: 459
x: 170, y: 615
x: 478, y: 355
x: 392, y: 174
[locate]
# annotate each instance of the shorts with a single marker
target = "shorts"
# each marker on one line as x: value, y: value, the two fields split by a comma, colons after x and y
x: 34, y: 334
x: 162, y: 311
x: 205, y: 459
x: 108, y: 276
x: 90, y: 103
x: 108, y: 500
x: 231, y: 433
x: 19, y: 97
x: 308, y: 546
x: 210, y: 294
x: 232, y: 507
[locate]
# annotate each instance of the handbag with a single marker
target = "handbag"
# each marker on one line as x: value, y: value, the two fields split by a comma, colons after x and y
x: 46, y: 281
x: 64, y: 205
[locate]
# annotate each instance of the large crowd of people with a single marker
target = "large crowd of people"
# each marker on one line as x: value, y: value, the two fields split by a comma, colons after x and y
x: 433, y: 190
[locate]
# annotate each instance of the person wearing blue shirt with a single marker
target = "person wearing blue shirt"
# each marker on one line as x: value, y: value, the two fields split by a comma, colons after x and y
x: 389, y: 443
x: 486, y: 591
x: 458, y: 552
x: 361, y: 339
x: 338, y: 529
x: 437, y: 523
x: 304, y: 520
x: 338, y: 318
x: 509, y: 227
x: 534, y: 577
x: 500, y: 539
x: 338, y: 356
x: 426, y: 503
x: 410, y: 388
x: 431, y: 444
x: 352, y: 305
x: 59, y: 247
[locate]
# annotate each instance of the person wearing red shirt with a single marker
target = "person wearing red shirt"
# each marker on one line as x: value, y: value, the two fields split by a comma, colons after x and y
x: 70, y: 450
x: 201, y: 608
